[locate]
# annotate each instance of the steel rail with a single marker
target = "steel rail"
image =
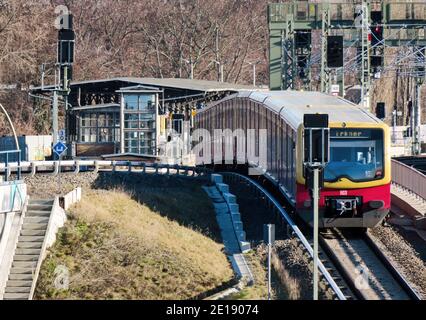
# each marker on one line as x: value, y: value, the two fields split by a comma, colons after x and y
x: 397, y: 278
x: 340, y: 295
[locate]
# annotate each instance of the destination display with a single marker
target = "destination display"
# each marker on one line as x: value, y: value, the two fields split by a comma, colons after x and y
x: 351, y: 133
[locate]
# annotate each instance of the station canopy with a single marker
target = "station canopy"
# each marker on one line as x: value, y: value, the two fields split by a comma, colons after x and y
x: 175, y: 92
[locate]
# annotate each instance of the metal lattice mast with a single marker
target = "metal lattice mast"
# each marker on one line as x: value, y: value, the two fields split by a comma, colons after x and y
x: 365, y: 56
x: 420, y: 78
x: 289, y: 54
x: 325, y: 72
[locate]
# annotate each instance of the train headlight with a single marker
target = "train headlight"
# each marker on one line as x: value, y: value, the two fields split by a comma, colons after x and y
x: 376, y: 204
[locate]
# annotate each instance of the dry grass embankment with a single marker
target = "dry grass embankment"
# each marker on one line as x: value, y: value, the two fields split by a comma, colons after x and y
x: 118, y: 248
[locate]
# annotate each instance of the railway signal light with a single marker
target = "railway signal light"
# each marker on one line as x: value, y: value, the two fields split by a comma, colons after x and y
x: 335, y: 51
x: 66, y: 42
x: 380, y: 110
x: 376, y: 35
x: 316, y: 149
x: 376, y: 28
x: 316, y: 139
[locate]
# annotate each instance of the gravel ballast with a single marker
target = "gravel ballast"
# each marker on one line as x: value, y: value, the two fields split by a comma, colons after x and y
x: 45, y: 186
x: 405, y: 257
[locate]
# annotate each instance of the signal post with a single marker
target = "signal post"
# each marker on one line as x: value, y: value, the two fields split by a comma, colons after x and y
x: 316, y: 157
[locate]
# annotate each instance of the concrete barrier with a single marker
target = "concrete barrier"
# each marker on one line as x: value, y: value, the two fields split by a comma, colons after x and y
x: 216, y: 178
x: 231, y: 208
x: 57, y: 220
x: 229, y: 198
x: 234, y: 208
x: 223, y: 188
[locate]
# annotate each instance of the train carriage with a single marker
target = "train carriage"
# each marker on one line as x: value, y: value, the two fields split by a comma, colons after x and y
x: 358, y: 177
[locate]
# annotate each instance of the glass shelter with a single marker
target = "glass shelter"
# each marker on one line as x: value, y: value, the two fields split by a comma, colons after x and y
x: 139, y: 120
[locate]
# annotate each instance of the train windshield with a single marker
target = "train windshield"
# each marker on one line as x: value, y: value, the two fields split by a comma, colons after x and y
x: 356, y: 154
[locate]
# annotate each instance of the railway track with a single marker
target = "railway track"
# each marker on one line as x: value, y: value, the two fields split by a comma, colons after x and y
x: 366, y: 269
x: 352, y: 264
x: 330, y: 279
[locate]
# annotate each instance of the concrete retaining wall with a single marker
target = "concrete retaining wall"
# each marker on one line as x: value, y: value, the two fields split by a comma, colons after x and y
x: 58, y: 216
x: 71, y: 198
x: 57, y: 220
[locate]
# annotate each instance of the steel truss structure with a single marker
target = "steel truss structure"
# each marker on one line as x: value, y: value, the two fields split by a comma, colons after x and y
x: 404, y: 24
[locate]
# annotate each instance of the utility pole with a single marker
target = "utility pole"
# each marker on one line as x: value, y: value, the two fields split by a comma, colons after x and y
x: 63, y: 71
x: 192, y: 70
x: 269, y: 238
x: 219, y: 65
x: 254, y: 64
x: 416, y: 112
x: 289, y: 55
x: 416, y: 115
x: 315, y: 199
x: 191, y: 64
x: 55, y: 126
x: 325, y: 72
x: 254, y: 75
x: 365, y: 58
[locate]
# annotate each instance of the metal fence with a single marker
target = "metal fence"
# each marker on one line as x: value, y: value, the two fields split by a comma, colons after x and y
x: 409, y: 178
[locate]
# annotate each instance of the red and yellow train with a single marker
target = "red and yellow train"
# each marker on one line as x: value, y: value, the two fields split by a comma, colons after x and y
x: 358, y: 176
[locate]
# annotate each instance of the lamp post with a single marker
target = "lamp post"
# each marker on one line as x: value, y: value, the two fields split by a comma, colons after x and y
x: 11, y: 126
x: 221, y: 69
x: 191, y: 65
x: 254, y: 64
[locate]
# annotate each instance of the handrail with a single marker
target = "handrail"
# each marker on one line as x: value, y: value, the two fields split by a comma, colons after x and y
x: 409, y: 178
x: 296, y: 230
x: 6, y: 164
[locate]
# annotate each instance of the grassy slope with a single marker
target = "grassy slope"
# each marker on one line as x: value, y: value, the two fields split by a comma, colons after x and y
x: 117, y: 248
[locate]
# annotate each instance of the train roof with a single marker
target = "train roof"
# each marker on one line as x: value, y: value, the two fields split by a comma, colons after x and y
x: 292, y: 105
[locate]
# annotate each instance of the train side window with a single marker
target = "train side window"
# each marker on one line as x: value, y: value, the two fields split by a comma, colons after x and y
x: 269, y: 125
x: 291, y: 162
x: 279, y: 147
x: 273, y: 144
x: 284, y: 152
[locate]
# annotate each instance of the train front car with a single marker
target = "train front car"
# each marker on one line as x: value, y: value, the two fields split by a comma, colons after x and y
x: 357, y: 179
